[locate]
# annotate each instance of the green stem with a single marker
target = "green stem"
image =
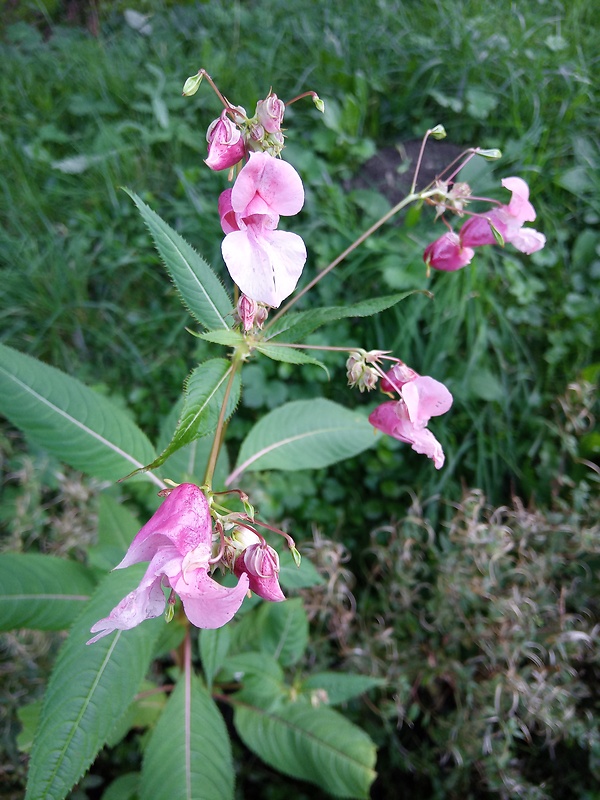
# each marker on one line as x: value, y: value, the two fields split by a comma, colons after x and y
x: 398, y: 207
x: 218, y: 437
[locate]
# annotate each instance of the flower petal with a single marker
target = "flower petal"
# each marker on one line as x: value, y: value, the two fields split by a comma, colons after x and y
x: 266, y: 265
x: 183, y: 519
x: 425, y: 398
x: 267, y: 185
x: 208, y: 604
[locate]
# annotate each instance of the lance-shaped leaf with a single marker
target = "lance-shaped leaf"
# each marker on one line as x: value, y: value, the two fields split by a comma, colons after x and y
x: 214, y: 646
x: 201, y: 290
x: 117, y: 527
x: 204, y: 394
x: 314, y: 744
x: 289, y: 355
x: 76, y: 424
x: 89, y: 690
x: 304, y: 434
x: 189, y: 754
x: 297, y: 326
x: 42, y: 592
x: 334, y: 688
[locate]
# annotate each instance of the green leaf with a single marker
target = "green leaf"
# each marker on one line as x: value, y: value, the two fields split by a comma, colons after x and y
x: 204, y: 393
x: 29, y: 717
x: 89, y: 690
x: 188, y: 464
x: 42, y: 592
x: 297, y: 326
x: 227, y: 338
x: 293, y: 577
x: 282, y: 630
x: 338, y: 687
x: 117, y: 527
x: 201, y: 290
x: 289, y: 355
x: 125, y: 787
x: 304, y: 434
x: 188, y: 756
x: 313, y: 744
x: 74, y: 423
x: 214, y: 646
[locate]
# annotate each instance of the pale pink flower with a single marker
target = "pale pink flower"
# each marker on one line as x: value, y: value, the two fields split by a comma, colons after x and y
x: 177, y: 541
x: 264, y: 262
x: 261, y: 564
x: 508, y: 220
x: 226, y: 144
x: 448, y: 253
x: 406, y: 419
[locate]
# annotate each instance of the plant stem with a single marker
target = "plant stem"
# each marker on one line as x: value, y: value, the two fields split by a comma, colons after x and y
x: 218, y: 437
x: 398, y: 207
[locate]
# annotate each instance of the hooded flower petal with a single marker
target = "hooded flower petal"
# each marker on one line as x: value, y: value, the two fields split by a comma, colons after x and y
x: 448, y: 253
x: 267, y: 185
x: 183, y: 519
x: 425, y: 398
x: 225, y: 143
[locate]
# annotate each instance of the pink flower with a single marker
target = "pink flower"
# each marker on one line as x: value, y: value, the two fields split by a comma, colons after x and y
x: 261, y: 564
x: 225, y: 143
x: 177, y: 541
x: 406, y: 419
x: 448, y: 253
x: 264, y: 262
x: 508, y: 220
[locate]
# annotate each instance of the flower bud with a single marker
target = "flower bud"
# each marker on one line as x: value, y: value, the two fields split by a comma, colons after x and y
x: 225, y: 143
x: 439, y: 132
x: 448, y: 253
x: 191, y: 86
x: 246, y: 309
x: 261, y: 564
x: 269, y: 113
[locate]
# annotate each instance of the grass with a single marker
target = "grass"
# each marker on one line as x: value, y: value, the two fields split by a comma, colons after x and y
x: 82, y: 287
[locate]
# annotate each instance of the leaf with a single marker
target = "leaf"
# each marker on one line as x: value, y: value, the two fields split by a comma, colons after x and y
x: 125, y: 787
x: 116, y: 528
x: 340, y: 686
x: 289, y: 355
x: 188, y: 756
x: 214, y: 646
x: 228, y: 338
x: 298, y: 326
x: 201, y: 290
x: 42, y: 592
x: 313, y: 744
x: 204, y: 393
x: 89, y: 690
x: 70, y: 420
x: 29, y: 717
x: 304, y: 434
x: 293, y: 577
x: 282, y: 630
x: 188, y: 464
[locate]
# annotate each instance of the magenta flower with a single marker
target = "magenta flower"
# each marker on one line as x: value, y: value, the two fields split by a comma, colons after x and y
x: 226, y: 144
x: 508, y: 220
x: 264, y: 262
x: 269, y: 113
x: 261, y: 564
x: 177, y: 541
x: 448, y: 253
x: 406, y: 419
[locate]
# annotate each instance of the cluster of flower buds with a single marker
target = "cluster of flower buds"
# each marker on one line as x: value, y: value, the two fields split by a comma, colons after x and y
x: 503, y: 224
x: 419, y: 398
x: 183, y: 552
x: 250, y: 314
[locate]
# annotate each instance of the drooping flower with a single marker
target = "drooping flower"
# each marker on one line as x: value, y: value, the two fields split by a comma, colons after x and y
x: 177, y: 542
x: 260, y: 563
x: 226, y: 144
x: 406, y: 419
x: 448, y: 253
x: 264, y: 262
x: 508, y: 220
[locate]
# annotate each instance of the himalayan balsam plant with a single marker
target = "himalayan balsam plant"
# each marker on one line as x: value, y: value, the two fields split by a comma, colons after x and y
x: 205, y: 570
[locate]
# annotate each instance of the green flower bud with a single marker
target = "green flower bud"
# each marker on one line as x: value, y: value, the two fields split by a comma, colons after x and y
x: 439, y: 132
x: 192, y: 85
